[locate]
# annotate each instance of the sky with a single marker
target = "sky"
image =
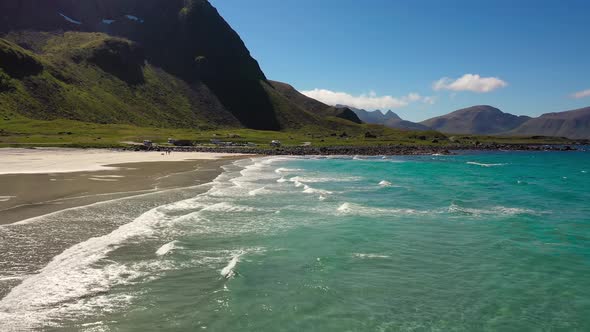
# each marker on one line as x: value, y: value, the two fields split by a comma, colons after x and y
x: 423, y: 58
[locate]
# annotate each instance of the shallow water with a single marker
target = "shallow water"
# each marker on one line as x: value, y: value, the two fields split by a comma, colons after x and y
x: 495, y: 241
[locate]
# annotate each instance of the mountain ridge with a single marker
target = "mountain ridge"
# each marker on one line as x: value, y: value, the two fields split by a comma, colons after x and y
x: 478, y: 120
x: 388, y: 119
x: 574, y: 124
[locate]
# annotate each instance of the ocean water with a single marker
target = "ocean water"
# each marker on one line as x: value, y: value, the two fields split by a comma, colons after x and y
x: 469, y: 242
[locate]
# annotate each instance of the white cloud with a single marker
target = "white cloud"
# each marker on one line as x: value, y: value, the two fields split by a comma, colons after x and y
x: 368, y: 101
x: 581, y: 94
x: 469, y: 82
x: 429, y: 100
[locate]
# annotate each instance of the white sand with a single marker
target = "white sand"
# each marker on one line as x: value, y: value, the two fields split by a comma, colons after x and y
x: 56, y: 160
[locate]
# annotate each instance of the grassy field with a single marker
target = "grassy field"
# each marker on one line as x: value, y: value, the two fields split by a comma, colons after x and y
x: 18, y: 131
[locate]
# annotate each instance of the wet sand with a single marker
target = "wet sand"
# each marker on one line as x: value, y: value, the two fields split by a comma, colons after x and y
x: 25, y: 196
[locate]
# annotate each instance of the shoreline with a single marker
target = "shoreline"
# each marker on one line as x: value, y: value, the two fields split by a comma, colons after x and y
x: 28, y: 195
x: 36, y: 182
x: 391, y: 150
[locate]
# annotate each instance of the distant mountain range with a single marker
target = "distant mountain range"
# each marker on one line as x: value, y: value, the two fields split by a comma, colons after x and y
x: 488, y: 120
x: 572, y: 124
x: 480, y: 120
x: 388, y: 119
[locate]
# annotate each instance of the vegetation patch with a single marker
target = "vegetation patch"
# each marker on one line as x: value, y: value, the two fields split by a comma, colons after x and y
x: 6, y: 83
x: 121, y: 58
x: 17, y: 62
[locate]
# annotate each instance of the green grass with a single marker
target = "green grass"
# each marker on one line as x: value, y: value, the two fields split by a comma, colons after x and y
x: 71, y: 85
x: 18, y: 131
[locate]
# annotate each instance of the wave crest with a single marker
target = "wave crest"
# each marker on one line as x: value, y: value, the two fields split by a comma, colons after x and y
x: 484, y: 165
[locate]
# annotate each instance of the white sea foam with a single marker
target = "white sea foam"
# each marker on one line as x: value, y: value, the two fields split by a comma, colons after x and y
x: 81, y: 274
x: 145, y: 193
x: 228, y: 207
x: 361, y: 255
x: 361, y: 210
x: 385, y: 183
x: 228, y: 271
x: 259, y: 191
x: 309, y: 190
x: 308, y: 179
x: 6, y: 198
x: 287, y: 170
x: 484, y: 165
x: 167, y: 248
x: 76, y: 273
x: 297, y: 183
x: 7, y: 278
x: 493, y: 211
x: 510, y: 211
x: 108, y: 176
x: 103, y: 180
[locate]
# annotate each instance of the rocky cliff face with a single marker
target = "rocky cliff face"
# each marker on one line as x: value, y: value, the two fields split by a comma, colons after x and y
x: 186, y: 37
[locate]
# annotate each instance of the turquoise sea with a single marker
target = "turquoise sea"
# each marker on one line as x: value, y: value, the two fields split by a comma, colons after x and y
x: 469, y: 242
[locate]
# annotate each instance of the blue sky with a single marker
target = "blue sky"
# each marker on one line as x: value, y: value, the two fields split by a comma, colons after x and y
x: 423, y: 58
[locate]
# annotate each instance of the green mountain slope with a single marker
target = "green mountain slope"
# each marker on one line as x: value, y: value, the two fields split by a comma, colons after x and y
x: 172, y: 63
x: 96, y: 78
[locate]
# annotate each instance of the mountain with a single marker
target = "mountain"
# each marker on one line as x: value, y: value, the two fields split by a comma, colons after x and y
x: 170, y: 63
x: 389, y: 119
x: 313, y: 105
x: 476, y: 120
x: 405, y: 125
x: 571, y: 124
x: 376, y: 117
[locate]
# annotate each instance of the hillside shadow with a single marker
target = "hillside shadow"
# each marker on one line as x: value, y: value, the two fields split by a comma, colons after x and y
x: 248, y: 101
x: 121, y: 59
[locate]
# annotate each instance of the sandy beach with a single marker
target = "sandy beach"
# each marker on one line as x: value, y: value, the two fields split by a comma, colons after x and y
x: 35, y: 182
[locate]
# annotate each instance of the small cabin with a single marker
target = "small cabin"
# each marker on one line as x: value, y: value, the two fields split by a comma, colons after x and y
x: 148, y: 143
x: 275, y: 143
